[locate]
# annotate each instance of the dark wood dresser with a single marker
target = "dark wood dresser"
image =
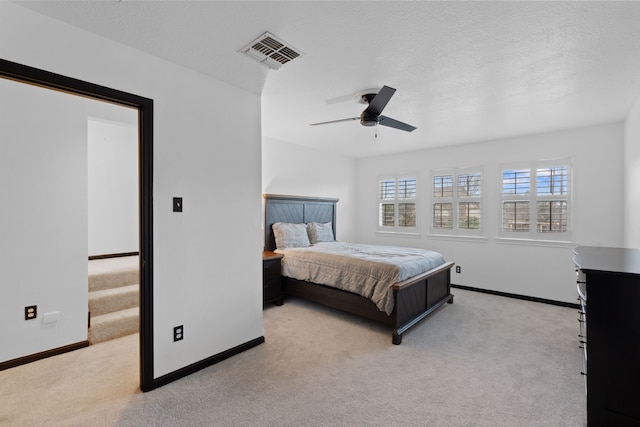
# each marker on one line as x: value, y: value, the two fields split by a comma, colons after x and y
x: 609, y: 278
x: 271, y: 278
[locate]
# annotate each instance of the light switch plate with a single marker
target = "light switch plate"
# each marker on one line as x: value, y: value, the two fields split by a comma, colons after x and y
x: 177, y: 204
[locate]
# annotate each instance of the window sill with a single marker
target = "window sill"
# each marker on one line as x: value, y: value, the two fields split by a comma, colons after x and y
x: 415, y: 235
x: 532, y: 242
x: 454, y: 237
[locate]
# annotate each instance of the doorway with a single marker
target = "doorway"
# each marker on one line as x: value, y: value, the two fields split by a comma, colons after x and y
x: 113, y: 279
x: 64, y: 156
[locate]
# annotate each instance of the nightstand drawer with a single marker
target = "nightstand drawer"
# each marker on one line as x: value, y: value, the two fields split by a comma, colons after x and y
x: 271, y: 270
x: 272, y: 282
x: 271, y: 290
x: 271, y: 278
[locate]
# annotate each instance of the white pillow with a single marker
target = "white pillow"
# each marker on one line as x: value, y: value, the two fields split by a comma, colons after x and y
x: 320, y: 232
x: 289, y: 235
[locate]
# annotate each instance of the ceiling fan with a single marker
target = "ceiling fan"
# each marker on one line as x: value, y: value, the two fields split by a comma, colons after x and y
x: 372, y: 115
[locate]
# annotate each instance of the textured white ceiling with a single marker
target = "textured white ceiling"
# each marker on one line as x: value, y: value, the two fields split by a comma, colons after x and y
x: 464, y: 71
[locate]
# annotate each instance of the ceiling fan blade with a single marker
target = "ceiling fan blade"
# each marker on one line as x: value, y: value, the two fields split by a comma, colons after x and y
x: 392, y: 123
x: 338, y: 99
x: 334, y: 121
x: 380, y: 101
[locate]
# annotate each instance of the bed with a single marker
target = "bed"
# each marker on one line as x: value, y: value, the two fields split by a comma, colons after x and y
x: 414, y: 298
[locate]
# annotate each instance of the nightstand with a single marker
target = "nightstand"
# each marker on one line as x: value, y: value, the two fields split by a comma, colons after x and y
x: 271, y: 279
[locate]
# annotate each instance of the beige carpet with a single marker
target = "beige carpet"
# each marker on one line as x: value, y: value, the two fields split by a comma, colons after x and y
x: 483, y: 361
x: 113, y: 272
x: 114, y: 296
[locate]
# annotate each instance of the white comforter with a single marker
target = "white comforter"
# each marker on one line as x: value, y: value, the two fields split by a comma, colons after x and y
x: 367, y: 270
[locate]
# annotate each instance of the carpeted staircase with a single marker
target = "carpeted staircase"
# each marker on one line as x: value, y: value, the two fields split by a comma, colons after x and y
x: 113, y: 298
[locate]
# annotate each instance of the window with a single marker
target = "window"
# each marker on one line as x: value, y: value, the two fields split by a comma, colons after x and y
x: 397, y: 204
x: 456, y: 202
x: 443, y: 202
x: 535, y: 201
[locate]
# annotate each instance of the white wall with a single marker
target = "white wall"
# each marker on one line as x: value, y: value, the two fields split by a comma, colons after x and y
x: 43, y: 173
x: 296, y: 170
x: 207, y: 264
x: 632, y: 177
x: 538, y: 271
x: 113, y: 184
x: 43, y: 168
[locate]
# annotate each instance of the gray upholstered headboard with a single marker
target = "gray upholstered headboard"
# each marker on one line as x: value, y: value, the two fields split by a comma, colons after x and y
x: 296, y: 209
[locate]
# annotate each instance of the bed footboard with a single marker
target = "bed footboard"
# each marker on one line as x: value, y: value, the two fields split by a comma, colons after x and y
x: 415, y: 299
x: 418, y: 297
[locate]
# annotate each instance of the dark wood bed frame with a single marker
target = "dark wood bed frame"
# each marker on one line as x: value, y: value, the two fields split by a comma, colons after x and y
x: 414, y: 298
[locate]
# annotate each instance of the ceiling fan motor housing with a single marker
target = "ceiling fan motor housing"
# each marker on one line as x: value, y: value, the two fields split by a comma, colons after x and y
x: 367, y: 97
x: 368, y: 118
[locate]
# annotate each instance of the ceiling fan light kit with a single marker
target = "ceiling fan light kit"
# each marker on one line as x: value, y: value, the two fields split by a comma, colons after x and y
x: 372, y: 115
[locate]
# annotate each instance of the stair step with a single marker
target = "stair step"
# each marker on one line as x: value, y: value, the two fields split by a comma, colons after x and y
x: 114, y: 325
x: 114, y: 299
x: 113, y: 272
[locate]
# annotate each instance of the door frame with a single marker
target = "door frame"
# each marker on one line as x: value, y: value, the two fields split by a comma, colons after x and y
x: 49, y: 80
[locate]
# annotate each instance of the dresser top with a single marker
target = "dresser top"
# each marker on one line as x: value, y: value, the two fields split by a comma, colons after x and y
x: 615, y: 260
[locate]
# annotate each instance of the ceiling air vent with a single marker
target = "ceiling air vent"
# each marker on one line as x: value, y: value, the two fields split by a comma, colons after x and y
x: 271, y: 51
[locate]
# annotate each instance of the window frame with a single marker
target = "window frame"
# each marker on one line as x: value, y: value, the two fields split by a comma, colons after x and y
x: 397, y: 201
x: 456, y: 199
x: 533, y: 197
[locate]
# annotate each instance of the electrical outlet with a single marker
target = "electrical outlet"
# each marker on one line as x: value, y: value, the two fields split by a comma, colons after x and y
x: 30, y: 312
x: 177, y: 204
x: 178, y: 333
x: 458, y: 269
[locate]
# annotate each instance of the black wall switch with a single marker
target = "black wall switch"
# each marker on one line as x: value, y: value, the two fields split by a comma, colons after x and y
x: 177, y: 204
